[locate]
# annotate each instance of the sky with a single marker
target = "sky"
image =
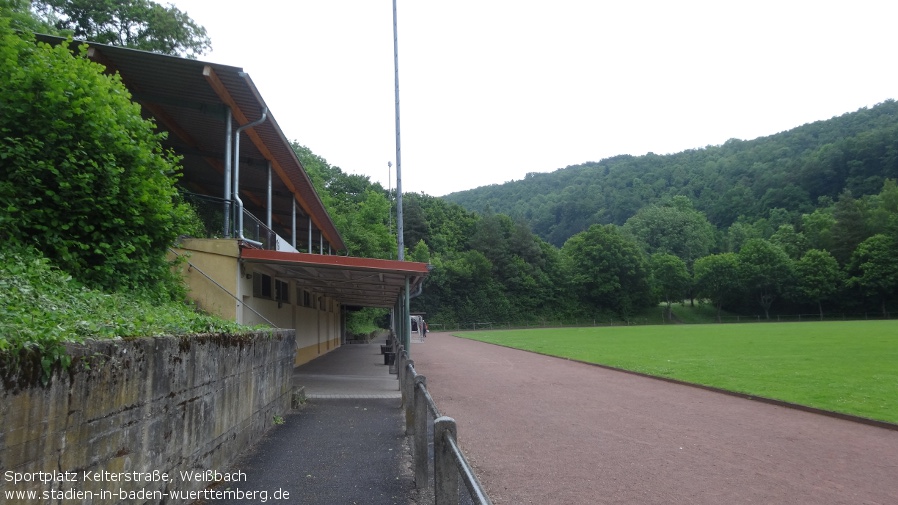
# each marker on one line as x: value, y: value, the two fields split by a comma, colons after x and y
x: 491, y: 90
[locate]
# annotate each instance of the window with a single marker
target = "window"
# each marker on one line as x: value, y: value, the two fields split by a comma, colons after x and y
x: 281, y: 291
x: 303, y: 298
x: 261, y: 285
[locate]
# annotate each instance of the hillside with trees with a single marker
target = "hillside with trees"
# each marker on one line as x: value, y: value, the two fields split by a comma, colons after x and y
x: 800, y: 222
x: 779, y: 178
x: 489, y: 268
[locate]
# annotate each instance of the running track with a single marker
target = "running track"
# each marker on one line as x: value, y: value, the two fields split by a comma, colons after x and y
x: 543, y: 430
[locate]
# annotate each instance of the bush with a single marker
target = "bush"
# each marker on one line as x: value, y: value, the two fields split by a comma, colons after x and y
x: 41, y: 307
x: 83, y: 177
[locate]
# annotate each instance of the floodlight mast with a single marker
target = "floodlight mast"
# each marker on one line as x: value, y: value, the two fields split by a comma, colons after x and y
x: 399, y: 225
x: 405, y: 332
x: 390, y: 196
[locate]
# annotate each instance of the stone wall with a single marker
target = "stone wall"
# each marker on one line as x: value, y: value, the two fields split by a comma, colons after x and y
x: 140, y: 410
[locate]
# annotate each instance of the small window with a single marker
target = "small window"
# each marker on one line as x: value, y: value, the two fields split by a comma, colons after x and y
x: 306, y: 299
x: 261, y: 285
x: 281, y: 291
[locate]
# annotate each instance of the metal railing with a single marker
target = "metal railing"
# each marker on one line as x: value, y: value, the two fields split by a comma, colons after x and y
x: 440, y: 466
x: 255, y: 230
x: 218, y: 218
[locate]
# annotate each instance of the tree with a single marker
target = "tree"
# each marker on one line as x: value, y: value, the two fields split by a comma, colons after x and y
x: 138, y: 24
x: 363, y: 225
x: 849, y: 228
x: 23, y: 18
x: 674, y: 228
x: 84, y: 177
x: 874, y: 270
x: 884, y: 213
x: 607, y: 271
x: 790, y: 241
x: 420, y: 253
x: 765, y: 270
x: 415, y: 226
x: 670, y: 279
x: 717, y: 278
x: 817, y: 227
x: 818, y: 277
x: 738, y: 234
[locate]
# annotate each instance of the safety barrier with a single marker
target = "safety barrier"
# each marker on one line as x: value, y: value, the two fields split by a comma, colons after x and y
x: 439, y: 463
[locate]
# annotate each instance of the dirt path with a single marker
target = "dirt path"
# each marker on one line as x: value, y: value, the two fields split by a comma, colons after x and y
x: 544, y: 430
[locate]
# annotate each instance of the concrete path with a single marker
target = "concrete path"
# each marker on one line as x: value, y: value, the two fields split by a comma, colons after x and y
x: 346, y: 445
x: 351, y: 371
x: 544, y: 430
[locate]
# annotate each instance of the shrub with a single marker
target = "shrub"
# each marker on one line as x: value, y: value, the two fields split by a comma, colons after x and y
x: 83, y: 177
x: 41, y: 307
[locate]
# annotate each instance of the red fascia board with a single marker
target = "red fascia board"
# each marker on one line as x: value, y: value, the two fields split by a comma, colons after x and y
x: 321, y: 260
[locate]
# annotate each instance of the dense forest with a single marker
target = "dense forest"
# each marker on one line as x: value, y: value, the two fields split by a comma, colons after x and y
x: 804, y: 221
x: 778, y: 177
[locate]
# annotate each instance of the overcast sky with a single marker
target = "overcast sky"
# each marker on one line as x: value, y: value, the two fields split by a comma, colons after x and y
x: 493, y: 89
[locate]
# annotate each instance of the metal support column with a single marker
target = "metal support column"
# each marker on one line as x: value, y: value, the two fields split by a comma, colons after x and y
x: 227, y: 174
x: 407, y: 320
x: 293, y: 234
x: 268, y: 213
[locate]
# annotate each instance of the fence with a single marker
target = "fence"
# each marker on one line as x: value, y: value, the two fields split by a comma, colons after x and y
x: 774, y: 318
x: 439, y: 463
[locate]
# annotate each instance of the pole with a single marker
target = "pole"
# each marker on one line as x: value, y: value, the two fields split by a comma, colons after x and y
x: 399, y: 226
x: 407, y: 320
x: 390, y: 196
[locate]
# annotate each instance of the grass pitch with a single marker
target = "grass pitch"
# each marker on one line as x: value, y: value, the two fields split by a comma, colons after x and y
x: 849, y: 367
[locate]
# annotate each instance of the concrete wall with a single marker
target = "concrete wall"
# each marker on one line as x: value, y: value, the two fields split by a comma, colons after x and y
x: 162, y: 404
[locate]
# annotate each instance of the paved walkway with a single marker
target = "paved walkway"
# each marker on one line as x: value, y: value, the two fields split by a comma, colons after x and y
x: 545, y: 430
x: 346, y: 445
x: 351, y: 371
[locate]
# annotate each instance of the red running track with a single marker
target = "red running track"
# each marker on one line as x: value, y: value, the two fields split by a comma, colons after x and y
x: 544, y: 430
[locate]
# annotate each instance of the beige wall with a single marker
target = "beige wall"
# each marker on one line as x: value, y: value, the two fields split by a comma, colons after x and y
x: 317, y: 332
x: 216, y: 258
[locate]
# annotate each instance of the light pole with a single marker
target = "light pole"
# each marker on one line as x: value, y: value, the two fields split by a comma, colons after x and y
x: 399, y: 226
x: 390, y: 195
x: 406, y: 324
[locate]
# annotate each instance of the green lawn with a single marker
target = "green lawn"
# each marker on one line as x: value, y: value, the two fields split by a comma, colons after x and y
x: 849, y: 367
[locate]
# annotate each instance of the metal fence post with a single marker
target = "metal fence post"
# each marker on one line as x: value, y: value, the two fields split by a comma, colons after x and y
x: 408, y: 395
x: 400, y: 373
x: 445, y: 475
x: 422, y: 461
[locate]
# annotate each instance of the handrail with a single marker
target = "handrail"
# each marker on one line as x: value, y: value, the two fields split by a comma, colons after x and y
x: 448, y: 461
x: 475, y: 490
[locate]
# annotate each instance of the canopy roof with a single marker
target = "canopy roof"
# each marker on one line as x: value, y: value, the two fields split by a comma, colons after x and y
x: 364, y: 282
